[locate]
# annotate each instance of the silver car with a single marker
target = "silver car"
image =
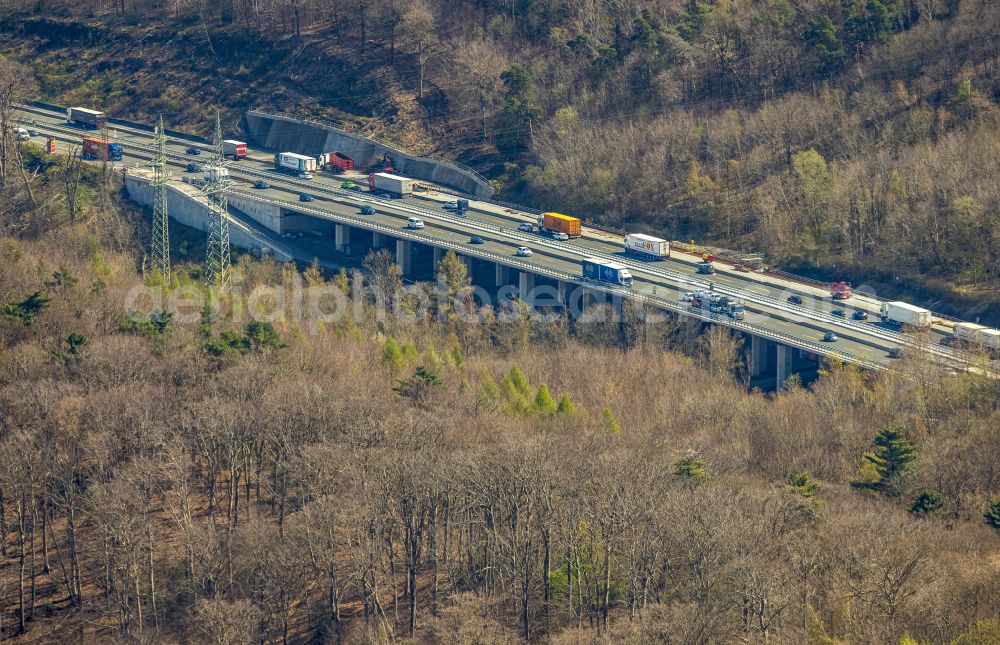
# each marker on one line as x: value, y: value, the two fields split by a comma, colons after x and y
x: 524, y: 252
x: 562, y: 237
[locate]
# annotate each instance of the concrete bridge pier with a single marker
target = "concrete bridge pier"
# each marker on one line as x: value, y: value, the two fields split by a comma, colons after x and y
x: 502, y: 275
x: 379, y: 240
x: 404, y: 255
x: 562, y: 288
x: 525, y: 285
x: 342, y: 238
x: 436, y: 260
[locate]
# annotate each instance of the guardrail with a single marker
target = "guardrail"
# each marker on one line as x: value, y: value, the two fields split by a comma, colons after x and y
x: 767, y: 301
x: 760, y: 300
x: 664, y: 303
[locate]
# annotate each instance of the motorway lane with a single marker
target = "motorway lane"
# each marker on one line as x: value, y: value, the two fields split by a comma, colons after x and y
x: 850, y: 341
x: 788, y: 323
x: 498, y: 216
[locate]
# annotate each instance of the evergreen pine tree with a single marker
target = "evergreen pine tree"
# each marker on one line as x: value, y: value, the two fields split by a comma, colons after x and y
x: 544, y: 404
x: 927, y: 502
x: 610, y: 422
x: 409, y: 351
x: 692, y: 470
x: 392, y: 355
x: 891, y: 458
x: 800, y: 482
x: 520, y: 381
x: 992, y: 514
x: 565, y: 405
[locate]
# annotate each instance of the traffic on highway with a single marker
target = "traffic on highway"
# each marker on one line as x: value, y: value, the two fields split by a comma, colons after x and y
x: 834, y: 321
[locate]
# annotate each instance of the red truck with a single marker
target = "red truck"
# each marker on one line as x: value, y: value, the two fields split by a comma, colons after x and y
x: 235, y: 149
x: 841, y: 290
x: 340, y: 161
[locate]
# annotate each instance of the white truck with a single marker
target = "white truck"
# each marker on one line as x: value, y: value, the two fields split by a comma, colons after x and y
x: 990, y: 338
x: 647, y: 246
x: 215, y: 173
x: 975, y: 334
x: 86, y: 118
x: 903, y: 313
x: 296, y: 164
x: 967, y: 332
x: 383, y: 182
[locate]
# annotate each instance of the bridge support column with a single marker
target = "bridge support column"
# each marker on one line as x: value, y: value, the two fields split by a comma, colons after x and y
x: 525, y: 284
x: 758, y: 356
x: 563, y: 289
x: 616, y: 305
x: 780, y: 365
x: 342, y: 238
x: 438, y: 253
x: 502, y: 274
x: 378, y: 240
x: 404, y: 251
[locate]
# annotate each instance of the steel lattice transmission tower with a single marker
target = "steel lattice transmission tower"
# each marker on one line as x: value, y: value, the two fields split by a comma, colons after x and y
x: 160, y: 244
x: 217, y: 189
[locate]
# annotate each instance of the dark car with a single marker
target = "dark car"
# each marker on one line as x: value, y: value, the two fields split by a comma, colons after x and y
x: 193, y: 151
x: 839, y: 313
x: 860, y: 315
x: 193, y: 167
x: 260, y: 183
x: 475, y: 239
x: 32, y: 133
x: 305, y: 197
x: 367, y: 210
x: 795, y: 300
x: 829, y: 337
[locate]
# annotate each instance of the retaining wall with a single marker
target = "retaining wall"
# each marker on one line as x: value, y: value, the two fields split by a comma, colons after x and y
x: 287, y: 134
x: 187, y: 206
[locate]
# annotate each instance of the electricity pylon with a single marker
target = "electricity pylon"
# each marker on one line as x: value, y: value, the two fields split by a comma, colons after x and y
x: 217, y: 189
x: 160, y: 244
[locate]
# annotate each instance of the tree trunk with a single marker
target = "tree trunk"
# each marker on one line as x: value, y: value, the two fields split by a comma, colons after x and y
x: 20, y: 566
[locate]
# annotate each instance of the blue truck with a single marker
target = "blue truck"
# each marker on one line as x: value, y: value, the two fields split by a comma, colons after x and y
x: 607, y: 272
x: 100, y: 148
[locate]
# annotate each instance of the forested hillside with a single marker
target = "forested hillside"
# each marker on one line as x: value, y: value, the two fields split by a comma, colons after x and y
x: 220, y: 477
x: 859, y: 136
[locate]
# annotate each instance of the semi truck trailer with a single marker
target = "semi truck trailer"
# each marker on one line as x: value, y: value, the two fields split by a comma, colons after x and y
x: 103, y: 149
x: 295, y: 163
x: 559, y: 223
x: 394, y: 185
x: 647, y: 246
x: 903, y: 313
x: 607, y: 272
x: 234, y: 149
x: 336, y: 161
x: 978, y: 335
x: 87, y: 118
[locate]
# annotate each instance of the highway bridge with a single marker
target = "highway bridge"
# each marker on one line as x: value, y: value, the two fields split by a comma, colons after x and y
x: 785, y: 338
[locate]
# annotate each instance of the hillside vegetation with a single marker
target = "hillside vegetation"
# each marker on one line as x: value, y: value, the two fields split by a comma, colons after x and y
x: 212, y: 477
x: 854, y: 138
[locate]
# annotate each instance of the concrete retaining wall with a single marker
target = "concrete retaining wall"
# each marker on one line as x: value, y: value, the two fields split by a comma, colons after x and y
x: 187, y: 206
x: 287, y: 134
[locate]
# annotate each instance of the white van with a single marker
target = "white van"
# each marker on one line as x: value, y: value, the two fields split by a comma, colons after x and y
x: 22, y: 134
x: 414, y: 222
